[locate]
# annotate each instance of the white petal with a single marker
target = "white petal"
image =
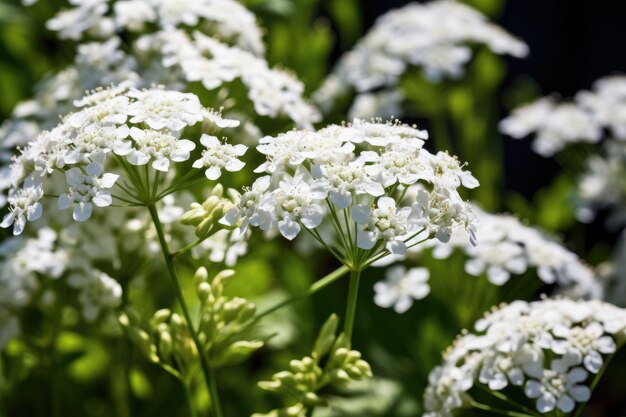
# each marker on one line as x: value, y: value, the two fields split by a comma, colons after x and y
x: 82, y: 212
x: 546, y: 403
x: 386, y: 203
x: 102, y: 198
x: 312, y: 216
x: 209, y: 141
x: 108, y: 180
x: 8, y: 219
x: 136, y: 157
x: 94, y: 169
x: 213, y: 173
x: 161, y: 164
x: 234, y: 165
x: 340, y: 198
x: 288, y: 228
x: 532, y: 389
x: 566, y: 404
x: 35, y: 212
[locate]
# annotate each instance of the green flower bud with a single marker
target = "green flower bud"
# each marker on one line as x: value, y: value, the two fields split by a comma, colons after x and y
x: 237, y: 352
x: 201, y: 275
x: 166, y: 345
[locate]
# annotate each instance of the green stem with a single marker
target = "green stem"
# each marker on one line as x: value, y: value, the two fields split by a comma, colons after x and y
x: 189, y: 246
x: 169, y: 263
x: 353, y: 291
x: 498, y: 411
x: 215, y: 400
x: 189, y: 398
x: 502, y: 397
x: 317, y: 286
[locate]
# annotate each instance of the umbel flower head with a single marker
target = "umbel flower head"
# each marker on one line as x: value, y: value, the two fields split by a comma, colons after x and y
x: 113, y: 128
x: 583, y: 120
x: 435, y: 36
x: 355, y: 176
x: 509, y: 248
x: 548, y: 349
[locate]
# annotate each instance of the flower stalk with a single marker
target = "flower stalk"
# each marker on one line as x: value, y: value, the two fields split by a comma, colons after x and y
x: 208, y: 376
x: 353, y: 292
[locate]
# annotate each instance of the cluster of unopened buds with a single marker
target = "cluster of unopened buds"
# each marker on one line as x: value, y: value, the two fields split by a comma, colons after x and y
x: 331, y: 363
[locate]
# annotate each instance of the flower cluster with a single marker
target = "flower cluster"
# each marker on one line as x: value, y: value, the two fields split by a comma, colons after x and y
x: 508, y: 247
x: 434, y: 36
x: 28, y: 267
x: 356, y: 175
x: 273, y: 92
x: 582, y: 120
x: 102, y: 18
x: 96, y: 64
x: 603, y: 184
x: 331, y: 362
x: 547, y: 348
x: 129, y: 126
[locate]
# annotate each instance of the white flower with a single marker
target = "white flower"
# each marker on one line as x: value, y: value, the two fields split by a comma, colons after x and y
x: 86, y: 188
x: 559, y: 390
x: 165, y: 109
x: 400, y: 162
x: 386, y: 222
x: 157, y: 146
x: 97, y: 292
x: 586, y: 343
x: 25, y: 205
x: 401, y: 287
x: 219, y: 155
x: 249, y: 209
x: 345, y: 179
x: 297, y: 201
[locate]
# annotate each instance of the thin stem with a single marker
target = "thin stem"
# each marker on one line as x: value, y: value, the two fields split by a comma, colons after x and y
x: 506, y: 399
x: 215, y: 400
x: 181, y: 299
x: 353, y: 291
x: 189, y: 246
x: 315, y: 287
x: 494, y: 410
x: 192, y: 410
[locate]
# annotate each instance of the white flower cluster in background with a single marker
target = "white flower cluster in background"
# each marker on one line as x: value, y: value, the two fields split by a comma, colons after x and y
x: 96, y: 64
x: 28, y: 264
x: 509, y: 248
x: 355, y: 175
x: 128, y: 126
x: 603, y: 184
x: 549, y: 349
x: 436, y: 36
x: 203, y: 59
x: 558, y: 124
x: 102, y: 18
